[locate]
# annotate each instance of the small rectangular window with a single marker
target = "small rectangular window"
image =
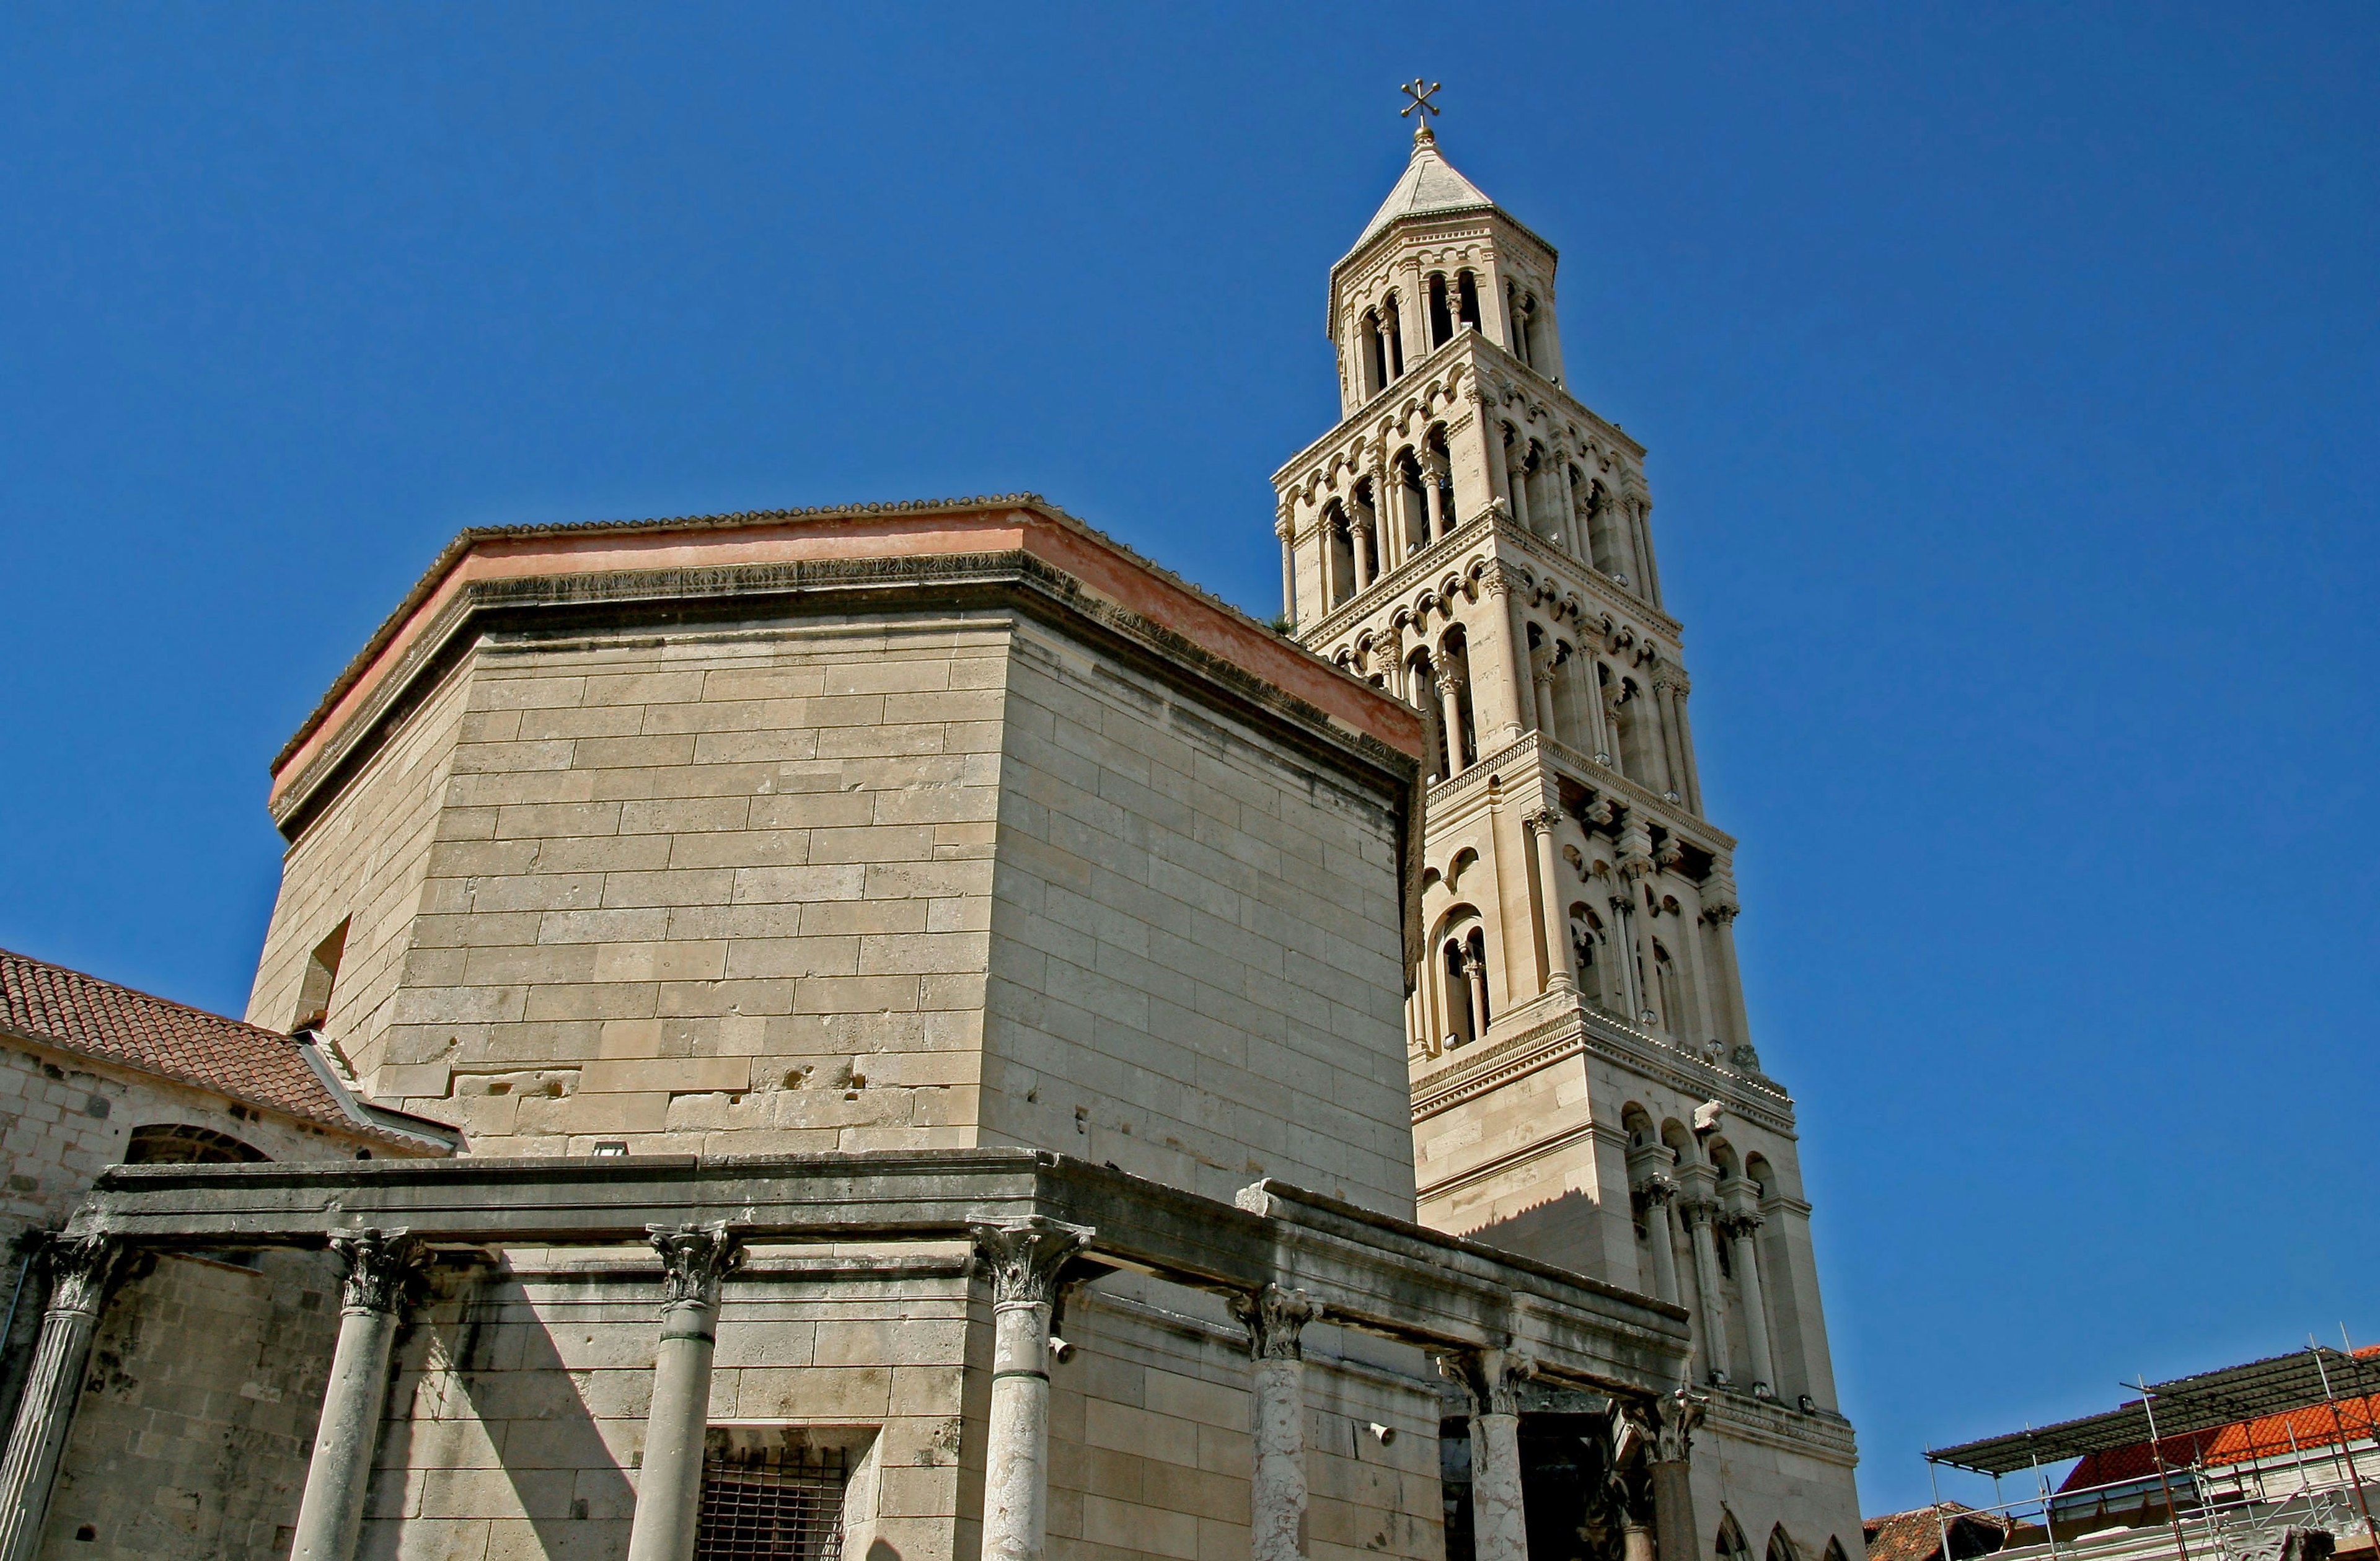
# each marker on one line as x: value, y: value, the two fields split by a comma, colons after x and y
x: 777, y: 1504
x: 322, y: 974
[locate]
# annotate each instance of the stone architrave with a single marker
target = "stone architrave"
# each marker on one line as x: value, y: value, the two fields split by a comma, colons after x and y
x: 1023, y: 1259
x: 1276, y: 1320
x: 81, y: 1269
x: 696, y: 1259
x: 382, y: 1266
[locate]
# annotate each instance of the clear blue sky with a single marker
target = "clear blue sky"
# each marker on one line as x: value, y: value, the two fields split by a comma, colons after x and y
x: 2008, y: 374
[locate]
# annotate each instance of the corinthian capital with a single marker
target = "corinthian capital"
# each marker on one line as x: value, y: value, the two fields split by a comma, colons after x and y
x: 1492, y: 1378
x: 1675, y: 1415
x: 1024, y: 1257
x: 1276, y: 1321
x: 695, y: 1258
x: 1543, y: 820
x: 1698, y: 1211
x: 1655, y: 1190
x: 1740, y: 1225
x: 81, y: 1268
x: 381, y: 1265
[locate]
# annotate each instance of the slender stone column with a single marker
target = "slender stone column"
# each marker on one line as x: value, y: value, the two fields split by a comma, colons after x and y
x: 1544, y: 680
x: 1450, y: 700
x: 1285, y: 528
x: 1434, y: 484
x: 1700, y: 1213
x: 1498, y: 650
x: 1475, y: 976
x: 1024, y: 1258
x: 1626, y: 953
x: 1599, y: 730
x: 1365, y: 524
x: 1636, y: 1542
x: 1676, y: 1413
x: 668, y: 1483
x: 381, y: 1269
x: 1275, y: 1319
x: 1559, y: 978
x: 1740, y: 1230
x: 1499, y: 1524
x: 1659, y: 1193
x: 80, y: 1269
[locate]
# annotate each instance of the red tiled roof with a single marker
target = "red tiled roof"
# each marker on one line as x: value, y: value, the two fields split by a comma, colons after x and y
x: 1917, y: 1535
x: 81, y: 1013
x: 2242, y: 1441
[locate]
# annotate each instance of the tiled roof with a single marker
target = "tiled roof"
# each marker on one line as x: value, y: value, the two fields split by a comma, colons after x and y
x: 1917, y: 1535
x: 2242, y: 1441
x: 81, y: 1013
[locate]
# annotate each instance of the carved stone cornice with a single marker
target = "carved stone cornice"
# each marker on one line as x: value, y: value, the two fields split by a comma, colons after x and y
x: 1534, y: 746
x: 1276, y: 1321
x: 382, y: 1266
x: 1023, y: 1257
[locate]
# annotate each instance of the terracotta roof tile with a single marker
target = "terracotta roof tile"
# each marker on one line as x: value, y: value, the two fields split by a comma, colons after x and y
x: 81, y: 1013
x: 1917, y: 1535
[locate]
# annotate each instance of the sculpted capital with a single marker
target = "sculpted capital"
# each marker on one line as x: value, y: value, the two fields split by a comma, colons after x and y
x: 1276, y: 1319
x: 1542, y: 820
x: 695, y: 1258
x: 81, y: 1268
x: 1657, y: 1190
x: 1492, y: 1378
x: 1024, y: 1257
x: 1740, y: 1225
x: 380, y: 1265
x: 1675, y: 1415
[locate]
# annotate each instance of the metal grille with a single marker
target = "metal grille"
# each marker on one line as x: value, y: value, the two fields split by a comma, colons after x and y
x: 771, y: 1504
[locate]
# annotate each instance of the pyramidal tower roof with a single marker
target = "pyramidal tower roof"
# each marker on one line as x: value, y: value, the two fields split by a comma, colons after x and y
x: 1430, y: 186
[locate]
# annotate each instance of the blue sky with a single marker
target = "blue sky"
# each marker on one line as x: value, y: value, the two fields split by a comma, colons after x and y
x: 2010, y: 376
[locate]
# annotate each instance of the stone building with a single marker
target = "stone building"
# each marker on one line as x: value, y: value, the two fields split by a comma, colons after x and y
x: 929, y: 999
x: 1585, y: 1085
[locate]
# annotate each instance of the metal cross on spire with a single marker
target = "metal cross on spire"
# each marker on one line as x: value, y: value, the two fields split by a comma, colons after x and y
x: 1421, y: 104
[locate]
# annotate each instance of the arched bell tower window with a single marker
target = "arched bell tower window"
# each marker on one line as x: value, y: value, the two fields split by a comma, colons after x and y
x: 1374, y: 345
x: 1442, y: 315
x: 1466, y: 301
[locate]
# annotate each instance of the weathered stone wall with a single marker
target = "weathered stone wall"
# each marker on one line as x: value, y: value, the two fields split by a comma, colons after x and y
x: 191, y: 1437
x: 1196, y: 972
x: 724, y: 892
x: 517, y: 1420
x: 1150, y: 1450
x: 362, y: 862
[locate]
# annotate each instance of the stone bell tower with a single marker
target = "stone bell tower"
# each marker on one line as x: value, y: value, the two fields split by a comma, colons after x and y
x: 1586, y: 1088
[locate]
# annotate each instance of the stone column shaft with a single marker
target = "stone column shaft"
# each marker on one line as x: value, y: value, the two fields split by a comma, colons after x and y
x: 1662, y: 1237
x: 669, y: 1481
x: 1474, y: 976
x: 1699, y: 1215
x: 1742, y: 1231
x: 1449, y: 699
x: 80, y: 1270
x: 1285, y: 530
x: 1676, y: 1414
x: 1024, y: 1258
x: 1499, y: 1525
x: 1723, y: 918
x: 1559, y: 977
x: 380, y: 1263
x: 1277, y: 1493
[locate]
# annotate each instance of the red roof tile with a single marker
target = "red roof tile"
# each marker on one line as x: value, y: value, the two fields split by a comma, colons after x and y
x: 1917, y: 1535
x: 2242, y: 1441
x: 81, y: 1013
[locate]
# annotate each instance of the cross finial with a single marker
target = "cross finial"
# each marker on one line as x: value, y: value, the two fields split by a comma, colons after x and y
x: 1421, y: 108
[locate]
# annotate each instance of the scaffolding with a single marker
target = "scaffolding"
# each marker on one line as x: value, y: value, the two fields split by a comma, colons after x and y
x: 2238, y: 1462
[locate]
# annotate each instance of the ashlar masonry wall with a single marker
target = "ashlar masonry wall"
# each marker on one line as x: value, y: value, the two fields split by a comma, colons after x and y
x: 1196, y: 971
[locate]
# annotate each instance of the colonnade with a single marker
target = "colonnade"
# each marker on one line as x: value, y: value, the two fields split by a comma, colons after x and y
x: 1024, y: 1260
x: 1665, y: 1199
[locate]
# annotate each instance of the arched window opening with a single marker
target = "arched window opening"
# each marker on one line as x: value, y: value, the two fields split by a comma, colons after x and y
x: 183, y: 1144
x: 1441, y: 317
x: 1363, y: 521
x: 1517, y: 310
x: 1835, y: 1550
x: 1421, y: 691
x: 1462, y: 973
x: 1516, y: 470
x: 1466, y: 301
x: 1761, y: 1174
x: 1474, y: 965
x: 1376, y: 362
x: 1455, y: 696
x: 1667, y: 987
x: 1393, y: 328
x: 1338, y: 556
x: 1586, y: 951
x: 1439, y: 477
x: 1782, y: 1548
x: 1581, y: 522
x: 1413, y: 502
x: 1732, y: 1545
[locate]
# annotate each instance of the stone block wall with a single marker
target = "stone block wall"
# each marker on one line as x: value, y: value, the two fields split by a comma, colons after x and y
x: 1196, y: 972
x: 198, y: 1416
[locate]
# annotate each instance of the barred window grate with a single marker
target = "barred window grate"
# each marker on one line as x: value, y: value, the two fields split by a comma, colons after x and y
x: 776, y: 1504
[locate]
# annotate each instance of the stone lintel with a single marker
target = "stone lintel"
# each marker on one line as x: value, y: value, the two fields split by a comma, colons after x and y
x: 1380, y: 1274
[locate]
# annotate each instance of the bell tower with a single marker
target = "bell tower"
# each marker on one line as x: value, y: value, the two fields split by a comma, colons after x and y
x: 1586, y: 1088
